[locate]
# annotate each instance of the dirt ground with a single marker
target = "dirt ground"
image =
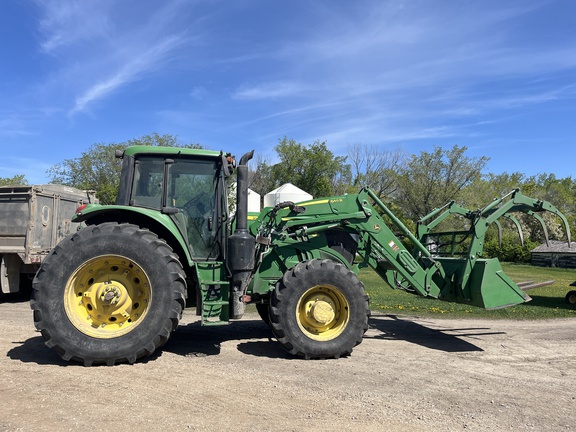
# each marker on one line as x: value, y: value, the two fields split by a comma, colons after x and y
x: 408, y: 374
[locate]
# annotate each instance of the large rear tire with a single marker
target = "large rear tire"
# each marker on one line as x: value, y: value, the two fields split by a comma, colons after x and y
x: 111, y: 293
x: 319, y: 309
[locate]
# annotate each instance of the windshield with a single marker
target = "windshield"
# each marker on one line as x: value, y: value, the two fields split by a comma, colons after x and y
x: 191, y: 187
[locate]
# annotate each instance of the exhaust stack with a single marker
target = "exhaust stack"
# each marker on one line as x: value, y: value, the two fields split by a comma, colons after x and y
x: 241, y: 245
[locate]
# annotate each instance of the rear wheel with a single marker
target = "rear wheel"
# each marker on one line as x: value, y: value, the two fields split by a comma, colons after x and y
x: 571, y: 297
x: 319, y: 310
x: 108, y: 294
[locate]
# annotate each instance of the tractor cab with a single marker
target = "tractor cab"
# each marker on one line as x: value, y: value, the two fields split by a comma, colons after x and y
x: 188, y: 186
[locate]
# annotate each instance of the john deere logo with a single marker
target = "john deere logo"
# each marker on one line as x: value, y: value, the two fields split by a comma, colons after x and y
x: 376, y: 227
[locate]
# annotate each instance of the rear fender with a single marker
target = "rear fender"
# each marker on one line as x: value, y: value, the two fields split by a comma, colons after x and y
x: 157, y: 222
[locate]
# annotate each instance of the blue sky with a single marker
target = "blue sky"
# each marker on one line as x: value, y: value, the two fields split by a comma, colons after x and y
x: 498, y: 77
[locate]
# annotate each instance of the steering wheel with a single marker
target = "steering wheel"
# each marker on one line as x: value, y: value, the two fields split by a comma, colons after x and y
x: 195, y: 207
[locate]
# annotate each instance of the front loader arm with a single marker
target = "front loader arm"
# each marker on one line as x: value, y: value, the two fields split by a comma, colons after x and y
x: 466, y: 279
x: 357, y: 214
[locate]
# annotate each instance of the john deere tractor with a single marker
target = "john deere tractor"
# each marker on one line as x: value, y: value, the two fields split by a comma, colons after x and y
x: 114, y: 291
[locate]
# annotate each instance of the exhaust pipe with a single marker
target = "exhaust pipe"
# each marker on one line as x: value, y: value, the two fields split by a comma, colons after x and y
x: 241, y: 245
x: 242, y: 192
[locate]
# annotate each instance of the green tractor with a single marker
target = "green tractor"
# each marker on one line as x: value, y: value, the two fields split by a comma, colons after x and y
x: 114, y: 291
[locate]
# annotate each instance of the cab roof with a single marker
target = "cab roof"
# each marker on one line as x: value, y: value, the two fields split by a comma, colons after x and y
x: 157, y: 150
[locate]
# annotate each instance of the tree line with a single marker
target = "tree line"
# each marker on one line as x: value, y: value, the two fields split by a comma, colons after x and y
x: 411, y: 185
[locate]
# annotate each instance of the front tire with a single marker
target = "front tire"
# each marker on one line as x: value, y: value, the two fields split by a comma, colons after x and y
x: 263, y: 310
x: 570, y: 297
x: 111, y: 293
x: 319, y: 309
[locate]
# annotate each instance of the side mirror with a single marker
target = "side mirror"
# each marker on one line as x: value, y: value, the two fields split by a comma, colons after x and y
x: 228, y: 164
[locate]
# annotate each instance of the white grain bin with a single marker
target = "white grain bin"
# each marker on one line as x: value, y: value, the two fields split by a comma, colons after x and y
x: 286, y: 192
x: 254, y: 205
x: 253, y: 202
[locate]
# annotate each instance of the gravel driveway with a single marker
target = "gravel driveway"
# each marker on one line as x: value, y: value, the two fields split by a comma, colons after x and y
x: 409, y: 374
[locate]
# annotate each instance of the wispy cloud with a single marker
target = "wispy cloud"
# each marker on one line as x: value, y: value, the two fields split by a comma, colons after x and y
x: 64, y: 23
x: 410, y: 73
x: 129, y: 72
x: 269, y: 90
x: 102, y: 46
x: 403, y: 72
x: 521, y: 100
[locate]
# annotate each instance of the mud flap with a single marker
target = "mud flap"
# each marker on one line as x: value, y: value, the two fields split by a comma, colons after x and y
x: 491, y: 288
x: 10, y: 273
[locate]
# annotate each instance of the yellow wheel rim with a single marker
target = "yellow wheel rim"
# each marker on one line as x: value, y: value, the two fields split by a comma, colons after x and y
x: 322, y: 312
x: 107, y: 296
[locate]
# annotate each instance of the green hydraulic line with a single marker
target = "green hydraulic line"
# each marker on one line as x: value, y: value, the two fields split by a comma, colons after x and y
x: 497, y: 201
x: 434, y: 212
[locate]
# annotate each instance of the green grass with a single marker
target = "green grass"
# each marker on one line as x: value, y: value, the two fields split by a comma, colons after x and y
x: 547, y: 302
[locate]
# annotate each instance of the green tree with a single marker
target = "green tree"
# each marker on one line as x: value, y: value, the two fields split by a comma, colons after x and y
x: 312, y: 168
x: 375, y: 168
x: 511, y: 250
x: 155, y: 139
x: 489, y: 187
x: 98, y: 169
x: 260, y: 180
x: 17, y: 180
x: 430, y: 180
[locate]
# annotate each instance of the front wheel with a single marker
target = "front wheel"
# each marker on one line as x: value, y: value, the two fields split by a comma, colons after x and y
x: 570, y: 297
x: 264, y: 311
x: 319, y: 309
x: 111, y: 293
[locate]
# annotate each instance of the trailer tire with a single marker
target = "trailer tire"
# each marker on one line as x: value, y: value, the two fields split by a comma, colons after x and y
x: 319, y: 309
x: 110, y: 293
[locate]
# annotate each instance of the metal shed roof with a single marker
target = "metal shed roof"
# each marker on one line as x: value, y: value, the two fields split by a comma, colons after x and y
x: 556, y: 246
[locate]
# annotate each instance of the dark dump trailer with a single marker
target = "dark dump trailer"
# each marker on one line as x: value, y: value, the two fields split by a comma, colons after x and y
x: 33, y: 219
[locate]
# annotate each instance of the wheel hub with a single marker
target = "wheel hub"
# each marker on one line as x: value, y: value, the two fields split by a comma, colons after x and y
x: 111, y: 294
x: 107, y: 296
x: 322, y: 311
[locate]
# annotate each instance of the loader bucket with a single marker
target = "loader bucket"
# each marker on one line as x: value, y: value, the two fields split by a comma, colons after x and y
x: 487, y: 286
x: 491, y: 288
x: 470, y: 280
